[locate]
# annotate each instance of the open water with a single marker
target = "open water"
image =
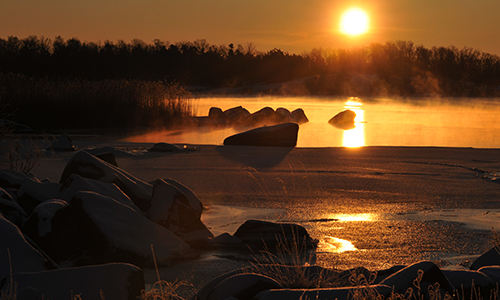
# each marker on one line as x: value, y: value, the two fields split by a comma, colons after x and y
x: 442, y: 122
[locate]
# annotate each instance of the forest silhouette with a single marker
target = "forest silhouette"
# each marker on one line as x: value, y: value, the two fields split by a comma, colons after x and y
x: 398, y: 68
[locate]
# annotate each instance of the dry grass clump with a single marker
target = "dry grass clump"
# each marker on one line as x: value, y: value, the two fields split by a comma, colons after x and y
x: 83, y: 104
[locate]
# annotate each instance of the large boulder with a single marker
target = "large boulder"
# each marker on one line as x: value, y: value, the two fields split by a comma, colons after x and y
x: 299, y: 116
x: 260, y: 235
x: 108, y: 281
x: 89, y: 166
x: 171, y: 209
x: 96, y: 229
x: 16, y: 254
x: 282, y: 135
x: 343, y: 120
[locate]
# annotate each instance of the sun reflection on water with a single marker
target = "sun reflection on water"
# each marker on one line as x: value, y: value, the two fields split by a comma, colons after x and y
x: 335, y: 245
x: 354, y: 217
x: 355, y: 137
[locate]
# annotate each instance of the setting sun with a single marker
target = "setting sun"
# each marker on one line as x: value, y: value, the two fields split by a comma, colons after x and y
x: 354, y: 22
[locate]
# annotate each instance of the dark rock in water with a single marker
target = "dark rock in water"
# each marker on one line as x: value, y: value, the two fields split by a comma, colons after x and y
x: 426, y: 274
x: 264, y: 116
x: 262, y: 234
x: 469, y: 283
x: 16, y: 253
x: 33, y: 192
x: 344, y: 120
x: 299, y: 116
x: 236, y: 114
x: 96, y: 229
x: 89, y: 166
x: 490, y: 258
x: 243, y: 286
x: 215, y: 112
x: 117, y: 281
x: 164, y: 147
x: 63, y: 143
x: 284, y: 115
x: 171, y: 209
x: 282, y: 135
x: 11, y: 210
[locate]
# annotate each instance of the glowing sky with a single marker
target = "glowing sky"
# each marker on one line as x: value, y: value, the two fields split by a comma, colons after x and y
x: 293, y: 26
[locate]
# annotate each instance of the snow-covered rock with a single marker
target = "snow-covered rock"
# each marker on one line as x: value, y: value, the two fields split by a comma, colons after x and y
x: 242, y: 287
x: 171, y: 209
x: 16, y: 253
x: 282, y: 135
x: 97, y: 229
x: 467, y: 283
x: 363, y: 292
x: 117, y: 281
x: 12, y: 179
x: 33, y: 192
x: 89, y: 166
x: 39, y: 222
x: 493, y: 272
x: 76, y: 183
x: 195, y: 203
x: 426, y: 273
x: 490, y: 258
x: 10, y: 209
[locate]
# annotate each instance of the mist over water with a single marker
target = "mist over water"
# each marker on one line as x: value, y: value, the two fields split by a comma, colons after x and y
x: 442, y: 122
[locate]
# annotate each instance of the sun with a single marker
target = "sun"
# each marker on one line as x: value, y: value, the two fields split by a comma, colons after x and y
x: 354, y: 22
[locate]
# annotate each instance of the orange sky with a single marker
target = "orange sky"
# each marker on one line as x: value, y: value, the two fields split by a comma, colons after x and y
x: 293, y: 26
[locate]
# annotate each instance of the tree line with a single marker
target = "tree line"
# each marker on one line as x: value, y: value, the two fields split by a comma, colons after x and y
x: 394, y: 68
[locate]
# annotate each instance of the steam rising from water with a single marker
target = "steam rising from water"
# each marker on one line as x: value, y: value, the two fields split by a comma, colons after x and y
x: 384, y: 122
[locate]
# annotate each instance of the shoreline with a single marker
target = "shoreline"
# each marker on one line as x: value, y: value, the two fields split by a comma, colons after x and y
x: 409, y: 192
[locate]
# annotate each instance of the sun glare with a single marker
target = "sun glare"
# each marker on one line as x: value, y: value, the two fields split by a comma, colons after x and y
x: 354, y: 22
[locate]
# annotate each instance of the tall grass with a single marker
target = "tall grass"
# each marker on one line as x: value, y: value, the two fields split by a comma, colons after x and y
x: 69, y: 103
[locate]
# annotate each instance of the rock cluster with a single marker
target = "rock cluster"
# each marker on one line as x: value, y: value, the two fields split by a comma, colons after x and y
x: 241, y: 118
x: 97, y: 222
x: 421, y: 280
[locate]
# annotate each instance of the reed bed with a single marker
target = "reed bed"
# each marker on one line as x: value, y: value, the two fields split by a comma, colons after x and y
x: 72, y: 103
